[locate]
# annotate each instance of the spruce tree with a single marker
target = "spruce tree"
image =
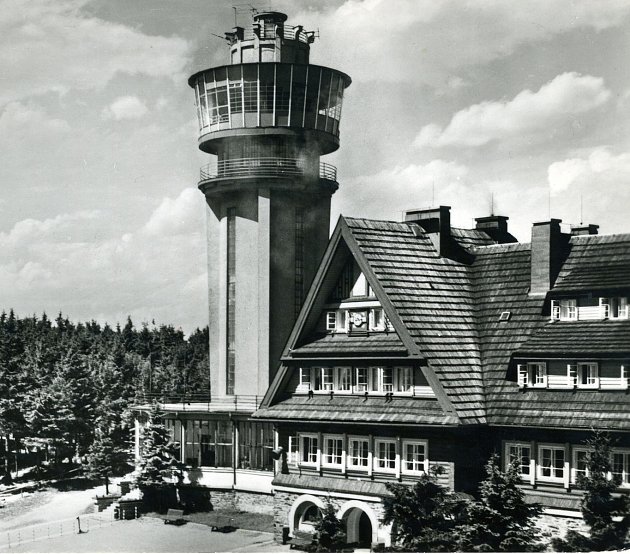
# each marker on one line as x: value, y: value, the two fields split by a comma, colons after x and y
x: 501, y: 520
x: 158, y: 461
x: 330, y: 530
x: 606, y: 514
x: 424, y: 515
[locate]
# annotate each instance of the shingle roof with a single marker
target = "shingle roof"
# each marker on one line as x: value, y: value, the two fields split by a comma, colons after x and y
x: 579, y: 338
x: 371, y: 409
x: 596, y: 263
x: 471, y: 237
x: 433, y: 297
x: 342, y: 344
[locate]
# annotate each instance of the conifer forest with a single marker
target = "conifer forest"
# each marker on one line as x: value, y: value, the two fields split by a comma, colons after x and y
x: 66, y: 389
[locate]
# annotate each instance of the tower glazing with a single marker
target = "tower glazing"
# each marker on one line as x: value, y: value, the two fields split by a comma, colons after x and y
x: 267, y: 117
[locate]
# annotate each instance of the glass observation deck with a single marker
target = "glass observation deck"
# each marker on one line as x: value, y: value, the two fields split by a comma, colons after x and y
x: 266, y: 167
x: 252, y: 97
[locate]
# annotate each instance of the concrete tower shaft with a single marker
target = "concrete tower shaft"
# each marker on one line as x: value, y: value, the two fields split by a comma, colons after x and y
x: 267, y: 117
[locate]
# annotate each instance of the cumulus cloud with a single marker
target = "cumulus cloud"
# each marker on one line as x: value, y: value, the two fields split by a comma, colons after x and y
x: 52, y: 45
x: 125, y: 107
x: 601, y: 169
x: 528, y: 113
x: 430, y: 40
x: 65, y: 262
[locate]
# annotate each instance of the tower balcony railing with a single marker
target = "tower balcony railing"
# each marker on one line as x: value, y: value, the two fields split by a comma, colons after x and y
x: 265, y: 167
x: 288, y: 32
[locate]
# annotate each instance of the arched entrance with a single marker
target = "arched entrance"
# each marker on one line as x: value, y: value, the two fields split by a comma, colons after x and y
x: 361, y: 523
x: 304, y: 513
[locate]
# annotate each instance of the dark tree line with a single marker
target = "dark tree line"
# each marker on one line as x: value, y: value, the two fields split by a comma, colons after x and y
x: 66, y: 388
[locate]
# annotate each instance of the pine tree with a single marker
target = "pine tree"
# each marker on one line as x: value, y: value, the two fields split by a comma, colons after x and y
x: 501, y: 520
x: 423, y: 515
x: 606, y: 514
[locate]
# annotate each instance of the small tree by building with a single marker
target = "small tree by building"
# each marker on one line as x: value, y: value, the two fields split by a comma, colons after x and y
x: 501, y: 520
x: 606, y: 514
x: 331, y: 536
x: 106, y: 458
x: 424, y: 515
x: 157, y: 462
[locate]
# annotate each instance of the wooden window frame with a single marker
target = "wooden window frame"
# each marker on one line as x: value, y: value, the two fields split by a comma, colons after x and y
x: 404, y: 461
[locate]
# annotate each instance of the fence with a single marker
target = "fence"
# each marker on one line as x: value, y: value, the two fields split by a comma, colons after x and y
x: 45, y: 531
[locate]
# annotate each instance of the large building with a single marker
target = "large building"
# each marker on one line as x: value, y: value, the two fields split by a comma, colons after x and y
x: 421, y: 344
x: 266, y: 118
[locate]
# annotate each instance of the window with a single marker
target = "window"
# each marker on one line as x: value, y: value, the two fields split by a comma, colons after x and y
x: 358, y: 453
x: 404, y: 379
x: 230, y: 369
x: 587, y: 375
x: 327, y: 381
x: 551, y: 463
x: 521, y: 453
x: 385, y: 455
x: 621, y: 468
x: 625, y: 373
x: 309, y: 449
x: 580, y: 464
x: 305, y: 378
x: 532, y: 374
x: 333, y: 450
x: 382, y: 379
x: 361, y: 384
x: 619, y: 308
x: 293, y: 455
x: 377, y: 319
x: 564, y: 309
x: 414, y: 457
x: 331, y: 321
x: 343, y: 380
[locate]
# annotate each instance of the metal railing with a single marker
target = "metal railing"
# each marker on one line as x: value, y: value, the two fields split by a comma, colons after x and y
x: 264, y: 167
x: 229, y: 403
x: 288, y: 32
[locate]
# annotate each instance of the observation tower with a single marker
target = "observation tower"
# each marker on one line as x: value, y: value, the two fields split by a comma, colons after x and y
x: 266, y: 117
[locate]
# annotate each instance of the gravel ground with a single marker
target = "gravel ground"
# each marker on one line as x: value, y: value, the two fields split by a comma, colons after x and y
x: 151, y: 535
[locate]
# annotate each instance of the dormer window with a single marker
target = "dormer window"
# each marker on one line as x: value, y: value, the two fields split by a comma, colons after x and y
x: 331, y: 321
x: 532, y: 374
x: 615, y: 307
x: 564, y: 310
x: 584, y: 375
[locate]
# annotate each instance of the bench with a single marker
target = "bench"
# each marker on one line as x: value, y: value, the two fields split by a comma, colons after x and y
x: 301, y: 539
x: 174, y: 517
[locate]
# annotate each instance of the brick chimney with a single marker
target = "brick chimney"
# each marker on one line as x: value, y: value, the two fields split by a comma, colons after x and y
x: 577, y: 230
x: 549, y: 249
x: 436, y: 222
x: 496, y: 227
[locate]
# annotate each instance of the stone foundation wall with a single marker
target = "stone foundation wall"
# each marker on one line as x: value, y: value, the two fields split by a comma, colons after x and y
x: 243, y: 501
x: 557, y: 526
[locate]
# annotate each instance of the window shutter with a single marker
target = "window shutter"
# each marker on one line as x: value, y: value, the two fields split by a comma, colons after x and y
x: 555, y: 310
x: 522, y: 375
x: 604, y: 308
x: 572, y: 374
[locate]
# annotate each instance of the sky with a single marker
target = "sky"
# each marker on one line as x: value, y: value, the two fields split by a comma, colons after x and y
x: 520, y: 108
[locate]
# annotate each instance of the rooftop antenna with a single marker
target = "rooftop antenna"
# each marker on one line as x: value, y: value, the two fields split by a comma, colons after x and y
x: 581, y: 209
x: 492, y: 203
x: 242, y: 8
x: 433, y: 193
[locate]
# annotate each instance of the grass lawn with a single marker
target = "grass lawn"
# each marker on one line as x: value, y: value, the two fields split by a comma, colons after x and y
x: 240, y: 520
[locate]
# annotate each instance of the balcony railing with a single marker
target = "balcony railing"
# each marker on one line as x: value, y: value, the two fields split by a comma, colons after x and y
x: 264, y: 167
x: 195, y: 401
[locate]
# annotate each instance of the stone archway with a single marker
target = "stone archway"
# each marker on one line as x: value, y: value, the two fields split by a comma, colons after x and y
x: 361, y: 523
x: 303, y: 512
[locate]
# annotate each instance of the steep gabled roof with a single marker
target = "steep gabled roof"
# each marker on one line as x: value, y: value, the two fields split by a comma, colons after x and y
x: 596, y: 263
x: 432, y: 296
x: 388, y: 344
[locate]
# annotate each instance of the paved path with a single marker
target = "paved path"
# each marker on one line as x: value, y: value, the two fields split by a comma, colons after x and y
x: 151, y: 535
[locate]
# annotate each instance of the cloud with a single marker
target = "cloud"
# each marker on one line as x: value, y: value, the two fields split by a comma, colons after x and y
x: 52, y: 45
x: 600, y: 170
x: 426, y: 41
x: 528, y: 113
x: 125, y: 107
x: 65, y: 262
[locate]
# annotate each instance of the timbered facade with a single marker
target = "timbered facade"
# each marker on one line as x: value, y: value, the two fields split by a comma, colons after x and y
x: 422, y: 345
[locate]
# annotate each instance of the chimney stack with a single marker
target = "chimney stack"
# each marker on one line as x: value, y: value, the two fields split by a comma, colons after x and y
x: 577, y: 230
x: 548, y: 252
x: 496, y: 227
x: 436, y: 222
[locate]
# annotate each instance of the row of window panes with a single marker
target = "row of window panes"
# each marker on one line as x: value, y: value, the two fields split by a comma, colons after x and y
x: 579, y: 374
x: 607, y: 308
x: 305, y: 450
x: 358, y: 379
x: 318, y: 96
x: 550, y: 463
x: 343, y: 321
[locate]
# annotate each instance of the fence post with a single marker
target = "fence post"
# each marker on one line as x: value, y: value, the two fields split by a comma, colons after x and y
x: 135, y: 508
